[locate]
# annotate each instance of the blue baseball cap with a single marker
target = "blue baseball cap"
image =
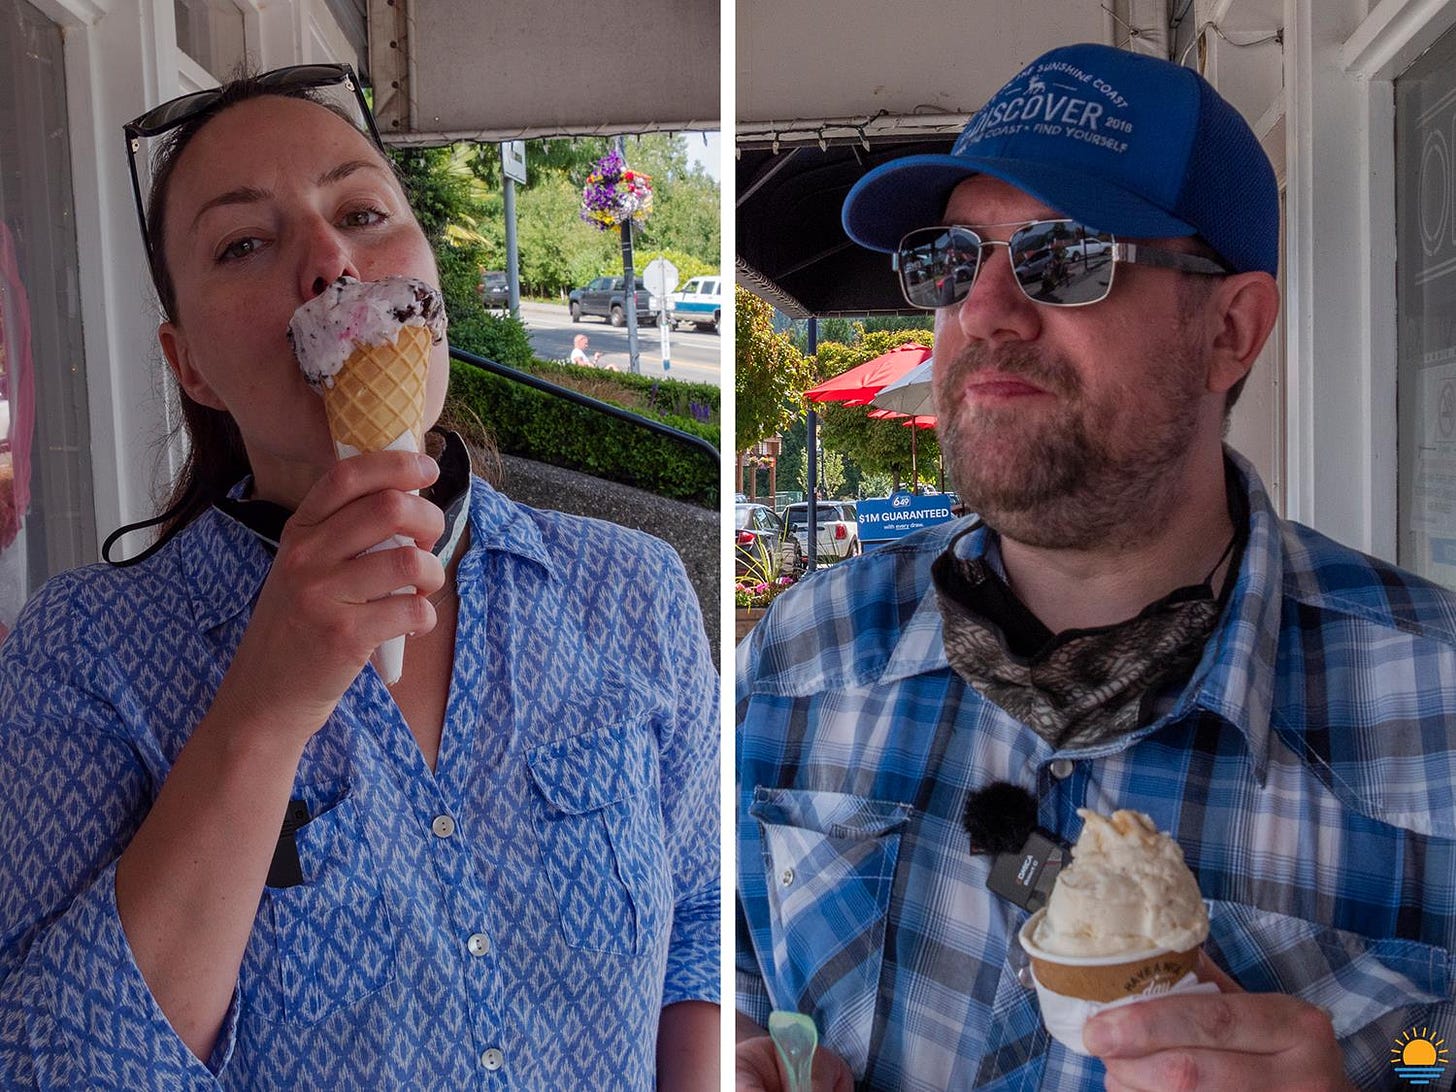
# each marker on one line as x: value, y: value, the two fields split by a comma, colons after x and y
x: 1121, y: 141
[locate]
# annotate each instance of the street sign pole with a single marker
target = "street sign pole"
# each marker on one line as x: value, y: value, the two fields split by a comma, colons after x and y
x: 513, y: 277
x: 513, y: 170
x: 660, y: 280
x: 629, y: 281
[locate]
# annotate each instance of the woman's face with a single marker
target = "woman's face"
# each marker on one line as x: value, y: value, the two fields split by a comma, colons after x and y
x: 270, y: 202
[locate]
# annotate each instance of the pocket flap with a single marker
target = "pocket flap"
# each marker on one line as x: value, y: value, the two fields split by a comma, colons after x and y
x: 1357, y: 979
x: 833, y: 814
x: 594, y: 769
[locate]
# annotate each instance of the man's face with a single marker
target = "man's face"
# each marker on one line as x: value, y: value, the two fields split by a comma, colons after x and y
x: 1065, y: 427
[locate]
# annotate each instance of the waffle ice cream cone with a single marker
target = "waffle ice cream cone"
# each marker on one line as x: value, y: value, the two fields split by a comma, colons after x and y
x: 365, y: 347
x: 378, y: 396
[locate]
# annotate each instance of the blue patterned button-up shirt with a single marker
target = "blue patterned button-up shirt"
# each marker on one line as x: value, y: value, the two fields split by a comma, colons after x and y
x: 517, y: 919
x: 1308, y: 770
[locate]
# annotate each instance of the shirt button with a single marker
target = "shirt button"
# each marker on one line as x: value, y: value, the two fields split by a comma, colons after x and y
x: 1062, y: 768
x: 443, y: 826
x: 492, y: 1059
x: 786, y: 877
x: 478, y: 944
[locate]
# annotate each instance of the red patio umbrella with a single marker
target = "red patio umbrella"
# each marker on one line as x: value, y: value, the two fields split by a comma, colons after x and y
x: 861, y: 383
x: 923, y: 420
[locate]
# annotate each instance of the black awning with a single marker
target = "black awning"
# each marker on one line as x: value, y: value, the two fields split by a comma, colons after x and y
x: 791, y: 247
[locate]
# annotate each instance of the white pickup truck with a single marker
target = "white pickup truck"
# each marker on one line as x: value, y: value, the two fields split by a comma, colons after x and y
x: 838, y: 528
x: 700, y: 302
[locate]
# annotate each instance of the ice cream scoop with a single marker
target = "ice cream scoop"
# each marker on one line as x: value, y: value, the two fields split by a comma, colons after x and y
x: 351, y: 314
x: 1126, y: 890
x: 365, y: 347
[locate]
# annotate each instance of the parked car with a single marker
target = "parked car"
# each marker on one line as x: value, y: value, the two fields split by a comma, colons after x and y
x: 761, y: 541
x: 700, y: 302
x: 606, y: 297
x: 838, y: 526
x: 493, y: 289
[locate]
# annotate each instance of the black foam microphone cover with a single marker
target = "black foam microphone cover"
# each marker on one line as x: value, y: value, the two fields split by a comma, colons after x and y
x: 999, y: 818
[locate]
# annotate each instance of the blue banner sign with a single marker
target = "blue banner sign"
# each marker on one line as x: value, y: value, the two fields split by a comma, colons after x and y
x: 884, y: 520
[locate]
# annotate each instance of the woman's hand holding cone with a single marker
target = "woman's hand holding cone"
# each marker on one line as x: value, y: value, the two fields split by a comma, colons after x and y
x: 326, y: 604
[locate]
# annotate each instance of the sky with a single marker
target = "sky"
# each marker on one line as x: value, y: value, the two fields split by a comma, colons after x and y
x: 707, y: 155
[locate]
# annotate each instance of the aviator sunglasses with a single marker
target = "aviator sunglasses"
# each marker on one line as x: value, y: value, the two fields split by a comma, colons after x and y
x: 1061, y: 263
x: 177, y: 112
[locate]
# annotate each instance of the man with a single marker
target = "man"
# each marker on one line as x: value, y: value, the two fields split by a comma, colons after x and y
x: 578, y: 352
x: 1132, y: 626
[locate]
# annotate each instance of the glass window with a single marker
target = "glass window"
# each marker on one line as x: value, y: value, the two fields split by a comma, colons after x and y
x: 1425, y: 214
x: 211, y: 33
x: 47, y: 518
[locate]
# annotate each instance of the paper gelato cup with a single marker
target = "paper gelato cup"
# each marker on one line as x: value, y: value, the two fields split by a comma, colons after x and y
x: 1073, y: 988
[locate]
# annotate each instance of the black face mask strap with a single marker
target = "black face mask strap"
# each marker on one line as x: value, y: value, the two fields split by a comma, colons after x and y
x: 112, y: 539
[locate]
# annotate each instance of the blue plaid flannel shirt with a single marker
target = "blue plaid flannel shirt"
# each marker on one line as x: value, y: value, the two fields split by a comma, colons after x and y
x: 1308, y: 770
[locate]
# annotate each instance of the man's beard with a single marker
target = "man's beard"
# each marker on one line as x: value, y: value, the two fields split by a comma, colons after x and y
x: 1080, y: 475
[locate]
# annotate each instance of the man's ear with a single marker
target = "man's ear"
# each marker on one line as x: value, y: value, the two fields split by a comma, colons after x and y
x: 1243, y: 309
x: 179, y: 358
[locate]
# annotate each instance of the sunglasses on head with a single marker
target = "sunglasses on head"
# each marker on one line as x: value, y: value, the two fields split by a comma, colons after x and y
x: 1061, y: 263
x: 177, y: 112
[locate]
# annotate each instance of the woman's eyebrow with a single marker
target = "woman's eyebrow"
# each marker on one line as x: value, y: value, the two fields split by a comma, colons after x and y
x: 247, y: 194
x: 241, y: 196
x: 344, y: 170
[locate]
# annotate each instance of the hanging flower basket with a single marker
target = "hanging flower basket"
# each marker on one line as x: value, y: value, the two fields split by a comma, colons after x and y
x: 614, y: 194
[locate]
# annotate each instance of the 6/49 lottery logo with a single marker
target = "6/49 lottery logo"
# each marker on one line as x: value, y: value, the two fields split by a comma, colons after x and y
x: 1419, y: 1059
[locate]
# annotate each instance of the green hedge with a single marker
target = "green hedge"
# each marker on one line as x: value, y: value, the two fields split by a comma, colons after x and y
x: 536, y: 425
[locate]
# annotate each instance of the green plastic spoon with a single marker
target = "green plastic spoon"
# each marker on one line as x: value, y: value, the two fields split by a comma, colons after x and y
x: 796, y: 1037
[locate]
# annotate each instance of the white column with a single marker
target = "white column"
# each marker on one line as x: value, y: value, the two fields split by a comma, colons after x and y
x: 117, y: 63
x: 1339, y: 288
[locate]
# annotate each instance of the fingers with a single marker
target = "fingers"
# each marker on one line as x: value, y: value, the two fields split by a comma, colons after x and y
x: 365, y: 523
x: 755, y: 1066
x: 1218, y: 1071
x: 1254, y: 1023
x: 373, y: 576
x: 1237, y: 1040
x: 350, y: 479
x: 758, y: 1068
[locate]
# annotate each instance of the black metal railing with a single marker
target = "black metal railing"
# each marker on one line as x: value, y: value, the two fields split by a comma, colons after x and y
x: 596, y: 405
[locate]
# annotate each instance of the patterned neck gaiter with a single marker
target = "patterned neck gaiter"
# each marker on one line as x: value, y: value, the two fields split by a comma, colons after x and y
x: 1082, y: 686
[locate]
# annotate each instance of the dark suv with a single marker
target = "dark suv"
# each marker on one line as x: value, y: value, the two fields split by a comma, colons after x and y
x: 493, y: 289
x: 605, y: 297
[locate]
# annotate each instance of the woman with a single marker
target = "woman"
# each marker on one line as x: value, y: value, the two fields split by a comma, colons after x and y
x: 232, y: 857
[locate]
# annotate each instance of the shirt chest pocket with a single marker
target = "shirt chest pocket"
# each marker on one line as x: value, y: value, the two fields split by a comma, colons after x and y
x: 332, y: 939
x: 1372, y: 988
x: 598, y: 818
x: 829, y: 861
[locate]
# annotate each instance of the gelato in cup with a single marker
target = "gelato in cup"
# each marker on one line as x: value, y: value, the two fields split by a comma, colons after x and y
x: 1124, y: 923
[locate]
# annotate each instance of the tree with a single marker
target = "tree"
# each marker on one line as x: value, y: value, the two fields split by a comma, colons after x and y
x: 770, y: 373
x: 445, y: 197
x: 875, y: 445
x: 847, y: 331
x: 456, y: 192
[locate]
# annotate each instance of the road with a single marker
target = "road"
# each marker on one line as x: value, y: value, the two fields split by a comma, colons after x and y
x: 695, y: 355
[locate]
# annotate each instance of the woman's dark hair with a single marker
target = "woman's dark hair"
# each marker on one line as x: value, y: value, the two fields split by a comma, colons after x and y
x: 216, y: 458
